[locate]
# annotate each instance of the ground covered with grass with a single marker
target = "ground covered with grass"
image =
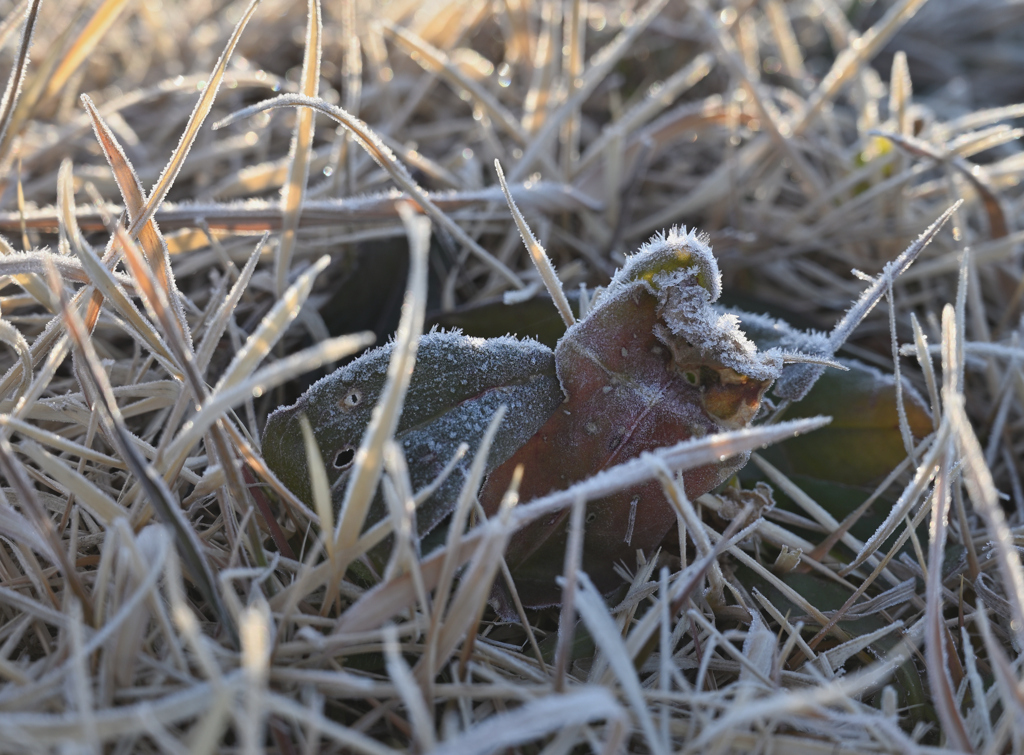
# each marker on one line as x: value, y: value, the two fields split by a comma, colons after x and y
x: 204, y: 207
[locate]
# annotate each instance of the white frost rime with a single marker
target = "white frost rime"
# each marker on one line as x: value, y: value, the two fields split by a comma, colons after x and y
x: 686, y: 294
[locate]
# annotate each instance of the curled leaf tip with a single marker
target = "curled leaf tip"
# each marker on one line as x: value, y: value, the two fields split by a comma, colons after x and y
x: 661, y: 260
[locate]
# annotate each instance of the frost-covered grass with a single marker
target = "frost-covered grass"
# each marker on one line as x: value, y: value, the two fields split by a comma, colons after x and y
x: 163, y: 284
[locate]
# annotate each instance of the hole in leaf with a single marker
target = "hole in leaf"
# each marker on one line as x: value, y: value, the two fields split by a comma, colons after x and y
x: 344, y: 457
x: 352, y: 399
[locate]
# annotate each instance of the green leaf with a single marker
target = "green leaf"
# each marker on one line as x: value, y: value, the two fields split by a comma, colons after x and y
x: 863, y: 443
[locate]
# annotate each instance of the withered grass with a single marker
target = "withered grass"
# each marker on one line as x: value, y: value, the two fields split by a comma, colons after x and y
x: 171, y: 224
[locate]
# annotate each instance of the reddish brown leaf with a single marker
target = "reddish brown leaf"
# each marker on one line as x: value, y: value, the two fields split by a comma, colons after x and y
x: 652, y: 364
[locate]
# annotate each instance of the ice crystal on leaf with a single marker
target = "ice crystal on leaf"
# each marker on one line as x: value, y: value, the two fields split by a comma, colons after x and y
x: 776, y: 335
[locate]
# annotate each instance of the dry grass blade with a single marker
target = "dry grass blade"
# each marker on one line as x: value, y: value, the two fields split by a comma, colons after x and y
x: 113, y: 291
x: 597, y: 69
x: 347, y: 737
x: 805, y: 502
x: 49, y: 342
x: 258, y: 215
x: 369, y: 458
x: 789, y: 49
x: 159, y: 266
x: 411, y: 694
x: 971, y: 172
x: 689, y: 519
x: 901, y: 407
x: 540, y: 258
x: 811, y: 182
x: 657, y: 98
x: 453, y: 620
x: 254, y: 628
x: 272, y: 327
x: 321, y: 486
x: 155, y: 297
x: 936, y: 648
x: 436, y: 61
x: 98, y: 503
x: 10, y: 22
x: 980, y: 486
x: 53, y: 729
x: 17, y: 77
x: 179, y: 335
x: 157, y: 492
x: 567, y: 615
x: 38, y: 262
x: 301, y: 147
x: 352, y: 71
x: 861, y: 49
x: 219, y: 322
x: 686, y: 584
x: 1006, y: 676
x: 848, y: 62
x: 943, y: 691
x: 13, y: 338
x: 926, y: 470
x: 816, y: 700
x: 609, y: 641
x: 535, y: 720
x: 871, y: 296
x: 53, y: 440
x: 43, y: 525
x: 574, y: 35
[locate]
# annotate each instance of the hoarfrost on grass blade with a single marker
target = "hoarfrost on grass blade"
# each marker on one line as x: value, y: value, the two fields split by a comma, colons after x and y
x: 760, y: 649
x: 535, y: 719
x: 17, y: 77
x: 860, y: 309
x: 257, y: 214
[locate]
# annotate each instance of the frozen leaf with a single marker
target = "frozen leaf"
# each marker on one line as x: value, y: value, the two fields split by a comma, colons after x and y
x: 653, y: 363
x: 457, y: 385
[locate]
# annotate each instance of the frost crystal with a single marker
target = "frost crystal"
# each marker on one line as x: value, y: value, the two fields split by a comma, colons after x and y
x: 676, y: 240
x: 769, y: 333
x: 680, y: 269
x: 688, y: 313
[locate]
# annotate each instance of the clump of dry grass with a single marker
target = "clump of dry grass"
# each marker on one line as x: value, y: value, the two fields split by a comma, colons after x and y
x: 160, y: 590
